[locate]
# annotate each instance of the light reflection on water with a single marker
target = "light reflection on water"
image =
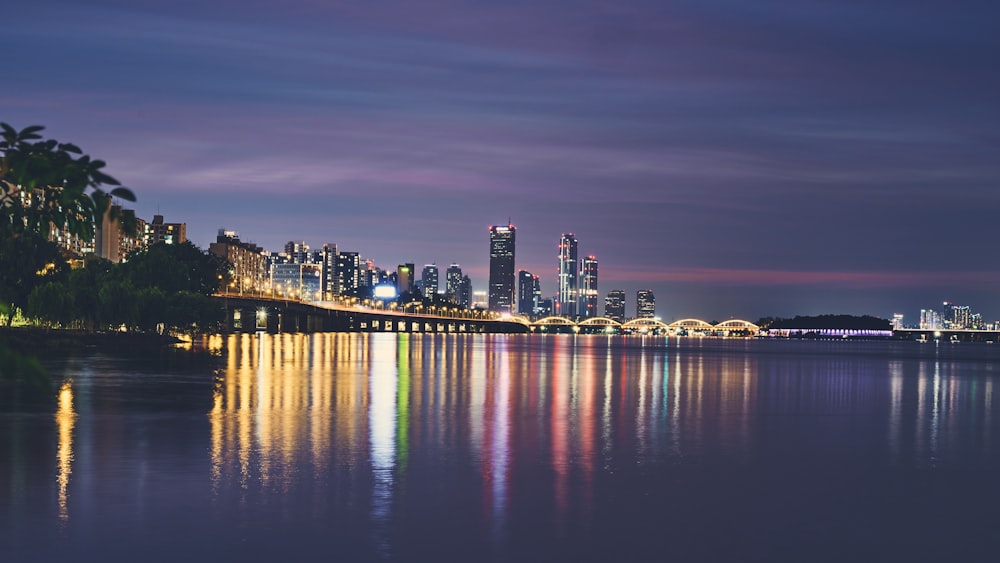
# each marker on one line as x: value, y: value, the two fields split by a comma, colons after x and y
x: 513, y: 444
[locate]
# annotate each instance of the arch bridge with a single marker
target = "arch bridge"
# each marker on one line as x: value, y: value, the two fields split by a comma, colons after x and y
x: 683, y: 327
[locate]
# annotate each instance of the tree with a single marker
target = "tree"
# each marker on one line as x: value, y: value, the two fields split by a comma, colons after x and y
x: 45, y: 185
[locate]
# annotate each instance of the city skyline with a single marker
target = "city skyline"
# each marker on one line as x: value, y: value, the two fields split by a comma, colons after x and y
x: 738, y: 160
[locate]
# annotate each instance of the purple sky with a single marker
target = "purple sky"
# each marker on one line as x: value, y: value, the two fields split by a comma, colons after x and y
x: 739, y: 158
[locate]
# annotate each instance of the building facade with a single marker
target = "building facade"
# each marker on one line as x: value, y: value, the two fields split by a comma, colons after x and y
x: 569, y: 267
x: 645, y: 304
x: 614, y: 305
x: 588, y: 292
x: 501, y: 290
x: 429, y: 280
x: 170, y: 233
x: 247, y: 264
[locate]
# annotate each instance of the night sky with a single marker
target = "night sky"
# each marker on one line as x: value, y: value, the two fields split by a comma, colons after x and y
x: 740, y: 158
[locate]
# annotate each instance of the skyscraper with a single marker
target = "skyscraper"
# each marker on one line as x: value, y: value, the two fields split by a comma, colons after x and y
x: 527, y: 299
x: 429, y: 278
x: 614, y: 305
x: 404, y: 277
x: 453, y: 281
x: 501, y: 293
x: 568, y: 269
x: 588, y: 294
x: 645, y: 304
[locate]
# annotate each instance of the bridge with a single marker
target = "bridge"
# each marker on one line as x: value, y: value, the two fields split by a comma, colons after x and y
x: 683, y: 327
x: 252, y: 313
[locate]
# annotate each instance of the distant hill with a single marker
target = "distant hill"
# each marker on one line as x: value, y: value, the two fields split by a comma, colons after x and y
x: 847, y: 322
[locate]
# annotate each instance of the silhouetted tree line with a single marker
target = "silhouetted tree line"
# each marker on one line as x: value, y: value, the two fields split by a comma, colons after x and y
x: 161, y: 288
x: 850, y: 322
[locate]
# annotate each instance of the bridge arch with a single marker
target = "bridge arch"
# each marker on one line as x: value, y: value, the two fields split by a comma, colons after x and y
x: 691, y: 324
x: 599, y: 321
x: 737, y: 326
x: 644, y: 325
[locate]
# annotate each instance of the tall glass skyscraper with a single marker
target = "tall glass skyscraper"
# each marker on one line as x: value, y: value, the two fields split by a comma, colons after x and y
x: 453, y: 282
x: 588, y: 294
x: 645, y: 304
x: 501, y: 294
x: 429, y: 279
x: 614, y: 305
x: 528, y: 293
x: 569, y: 267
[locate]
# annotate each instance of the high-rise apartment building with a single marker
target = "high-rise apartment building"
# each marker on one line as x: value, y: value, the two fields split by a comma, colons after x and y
x: 298, y: 252
x: 645, y: 304
x: 329, y: 280
x: 614, y: 305
x: 349, y: 273
x: 501, y: 292
x: 247, y: 264
x: 113, y: 238
x: 588, y: 292
x: 429, y: 279
x: 169, y: 233
x: 569, y: 267
x: 528, y: 293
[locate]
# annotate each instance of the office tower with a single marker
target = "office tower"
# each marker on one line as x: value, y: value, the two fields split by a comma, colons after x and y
x: 588, y: 293
x: 544, y: 308
x: 328, y: 281
x: 464, y: 295
x: 169, y: 233
x: 349, y: 274
x: 645, y: 304
x: 298, y: 252
x: 429, y: 279
x: 297, y: 281
x: 527, y: 300
x: 501, y: 292
x: 404, y: 277
x: 452, y: 280
x: 566, y: 303
x: 897, y: 321
x: 614, y: 305
x: 536, y: 295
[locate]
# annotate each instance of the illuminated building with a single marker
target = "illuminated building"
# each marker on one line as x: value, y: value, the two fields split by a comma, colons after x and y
x: 297, y: 281
x: 169, y: 233
x: 645, y: 304
x: 298, y: 252
x: 566, y: 303
x: 247, y: 264
x: 464, y: 296
x: 453, y: 279
x: 349, y: 273
x: 614, y: 305
x: 429, y: 279
x: 501, y: 291
x: 528, y: 292
x: 897, y: 321
x: 329, y: 280
x: 588, y: 293
x: 404, y: 277
x: 111, y: 241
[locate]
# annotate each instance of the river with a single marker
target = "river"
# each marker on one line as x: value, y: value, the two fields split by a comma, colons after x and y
x: 371, y: 447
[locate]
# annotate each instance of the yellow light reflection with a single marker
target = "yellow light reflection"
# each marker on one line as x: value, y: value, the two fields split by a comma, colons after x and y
x: 65, y: 421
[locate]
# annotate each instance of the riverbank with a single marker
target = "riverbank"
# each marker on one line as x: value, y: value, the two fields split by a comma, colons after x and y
x: 37, y: 340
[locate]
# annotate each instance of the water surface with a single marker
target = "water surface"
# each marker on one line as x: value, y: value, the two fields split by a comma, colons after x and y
x: 368, y: 447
